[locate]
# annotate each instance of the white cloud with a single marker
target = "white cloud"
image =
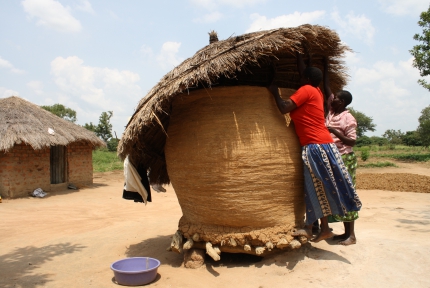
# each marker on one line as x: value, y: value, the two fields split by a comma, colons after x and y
x: 379, y: 71
x: 167, y: 58
x: 358, y: 26
x: 51, y: 14
x: 351, y: 59
x: 113, y: 15
x: 97, y: 86
x: 5, y: 92
x: 241, y: 3
x: 36, y: 87
x: 7, y: 65
x: 92, y: 90
x: 208, y: 4
x: 394, y: 93
x: 214, y: 4
x: 260, y: 22
x: 402, y: 7
x: 146, y: 51
x: 209, y: 18
x: 85, y: 6
x: 389, y: 93
x: 394, y: 50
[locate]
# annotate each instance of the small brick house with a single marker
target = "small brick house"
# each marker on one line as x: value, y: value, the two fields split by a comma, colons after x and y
x: 41, y: 150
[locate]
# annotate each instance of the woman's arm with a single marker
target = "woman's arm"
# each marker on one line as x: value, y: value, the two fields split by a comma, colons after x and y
x: 284, y: 106
x: 300, y: 64
x: 327, y: 90
x: 346, y: 140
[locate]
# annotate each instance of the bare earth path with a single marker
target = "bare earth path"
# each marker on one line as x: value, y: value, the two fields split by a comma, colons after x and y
x: 70, y: 238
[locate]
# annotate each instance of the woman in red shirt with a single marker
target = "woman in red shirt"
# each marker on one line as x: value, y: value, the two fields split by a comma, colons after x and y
x: 328, y: 186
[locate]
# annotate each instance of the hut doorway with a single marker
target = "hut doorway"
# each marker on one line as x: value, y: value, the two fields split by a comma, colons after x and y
x: 58, y: 164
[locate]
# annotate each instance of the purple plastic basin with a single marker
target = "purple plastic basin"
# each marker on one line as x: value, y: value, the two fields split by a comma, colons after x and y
x: 134, y: 271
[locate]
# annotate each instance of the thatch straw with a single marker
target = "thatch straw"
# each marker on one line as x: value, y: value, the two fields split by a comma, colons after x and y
x: 25, y: 122
x: 213, y: 37
x: 241, y: 60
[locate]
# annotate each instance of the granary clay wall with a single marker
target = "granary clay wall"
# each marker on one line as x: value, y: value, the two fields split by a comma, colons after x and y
x: 22, y: 170
x: 80, y: 164
x: 235, y: 164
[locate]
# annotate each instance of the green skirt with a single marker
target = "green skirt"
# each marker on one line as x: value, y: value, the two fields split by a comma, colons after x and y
x: 350, y: 161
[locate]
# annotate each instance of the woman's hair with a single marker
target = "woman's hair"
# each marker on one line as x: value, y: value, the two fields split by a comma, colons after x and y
x: 314, y: 75
x: 345, y: 96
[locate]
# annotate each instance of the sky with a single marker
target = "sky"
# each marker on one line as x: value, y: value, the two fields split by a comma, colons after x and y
x: 95, y: 56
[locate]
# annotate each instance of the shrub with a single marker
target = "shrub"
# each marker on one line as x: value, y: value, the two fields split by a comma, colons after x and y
x: 363, y: 141
x: 378, y: 140
x: 112, y: 144
x: 412, y: 138
x: 365, y: 154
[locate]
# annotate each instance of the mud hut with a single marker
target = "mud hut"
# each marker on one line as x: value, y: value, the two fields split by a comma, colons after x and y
x: 212, y: 129
x: 41, y: 150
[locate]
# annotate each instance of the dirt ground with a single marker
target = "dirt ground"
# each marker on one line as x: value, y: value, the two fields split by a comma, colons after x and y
x: 70, y: 238
x: 407, y: 177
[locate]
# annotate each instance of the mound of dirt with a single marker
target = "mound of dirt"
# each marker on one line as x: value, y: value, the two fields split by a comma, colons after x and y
x: 394, y: 182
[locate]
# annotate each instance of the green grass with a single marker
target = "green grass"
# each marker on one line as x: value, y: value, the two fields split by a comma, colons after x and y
x: 377, y: 165
x: 413, y: 157
x: 417, y: 157
x: 104, y: 161
x: 393, y: 148
x: 397, y: 152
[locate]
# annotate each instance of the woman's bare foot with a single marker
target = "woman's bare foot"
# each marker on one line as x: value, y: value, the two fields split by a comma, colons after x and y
x: 340, y: 237
x: 350, y: 241
x: 303, y: 232
x: 323, y: 235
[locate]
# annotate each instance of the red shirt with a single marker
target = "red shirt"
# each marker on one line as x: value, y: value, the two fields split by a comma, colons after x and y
x: 308, y: 117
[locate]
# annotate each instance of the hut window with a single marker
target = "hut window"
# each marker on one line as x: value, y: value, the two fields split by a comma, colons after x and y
x: 58, y: 164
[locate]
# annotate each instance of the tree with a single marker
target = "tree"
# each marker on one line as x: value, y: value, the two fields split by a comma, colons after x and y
x: 104, y: 128
x: 364, y: 123
x: 376, y: 140
x: 90, y: 126
x: 393, y: 136
x: 424, y: 126
x: 363, y: 141
x: 421, y: 52
x: 112, y: 144
x: 62, y: 112
x: 412, y: 138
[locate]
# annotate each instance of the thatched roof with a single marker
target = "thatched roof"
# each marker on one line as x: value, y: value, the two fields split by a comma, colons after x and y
x: 241, y: 60
x: 24, y: 122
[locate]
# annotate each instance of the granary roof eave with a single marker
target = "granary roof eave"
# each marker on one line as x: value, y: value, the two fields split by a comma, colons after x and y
x: 201, y: 68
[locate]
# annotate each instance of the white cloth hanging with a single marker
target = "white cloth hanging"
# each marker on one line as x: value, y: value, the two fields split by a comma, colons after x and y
x: 133, y: 180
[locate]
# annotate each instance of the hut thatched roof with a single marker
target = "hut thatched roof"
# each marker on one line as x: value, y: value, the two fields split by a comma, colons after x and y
x: 241, y: 60
x: 24, y: 122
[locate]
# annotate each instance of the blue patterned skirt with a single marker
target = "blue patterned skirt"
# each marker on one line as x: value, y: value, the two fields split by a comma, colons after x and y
x: 328, y: 186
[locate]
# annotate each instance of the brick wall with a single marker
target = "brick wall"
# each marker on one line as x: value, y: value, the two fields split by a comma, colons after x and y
x: 80, y: 163
x: 22, y: 170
